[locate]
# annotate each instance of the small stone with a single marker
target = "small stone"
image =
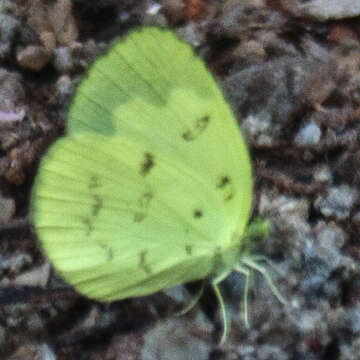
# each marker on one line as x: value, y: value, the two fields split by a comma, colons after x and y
x: 63, y: 59
x: 153, y: 15
x: 288, y: 84
x: 34, y: 352
x: 191, y: 34
x: 323, y: 10
x: 38, y: 276
x: 288, y: 213
x: 64, y: 87
x: 34, y: 322
x: 309, y: 134
x: 245, y: 350
x: 83, y: 54
x: 258, y: 127
x: 8, y: 27
x: 308, y: 320
x: 329, y: 241
x: 322, y: 174
x: 239, y: 16
x: 353, y: 320
x: 11, y: 116
x: 337, y: 203
x: 173, y: 339
x: 48, y: 40
x: 323, y: 258
x: 175, y: 9
x: 177, y: 293
x: 33, y: 57
x: 356, y: 219
x: 153, y: 8
x: 267, y: 351
x: 63, y: 22
x: 250, y: 52
x: 12, y: 93
x: 7, y: 209
x: 18, y: 262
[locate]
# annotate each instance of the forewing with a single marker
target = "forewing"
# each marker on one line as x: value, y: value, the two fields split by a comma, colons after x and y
x: 152, y: 89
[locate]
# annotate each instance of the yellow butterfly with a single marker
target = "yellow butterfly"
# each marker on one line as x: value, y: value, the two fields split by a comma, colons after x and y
x: 151, y: 186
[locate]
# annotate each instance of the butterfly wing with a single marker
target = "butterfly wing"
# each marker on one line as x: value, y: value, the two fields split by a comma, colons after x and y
x: 153, y: 89
x: 153, y: 177
x: 116, y: 228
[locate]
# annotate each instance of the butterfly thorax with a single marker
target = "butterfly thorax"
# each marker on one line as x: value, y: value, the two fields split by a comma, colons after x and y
x: 227, y: 258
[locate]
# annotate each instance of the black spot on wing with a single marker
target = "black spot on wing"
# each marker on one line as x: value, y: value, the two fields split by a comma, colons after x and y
x: 110, y: 254
x: 88, y: 224
x: 200, y: 126
x: 198, y: 214
x: 145, y: 199
x: 142, y: 262
x: 144, y: 203
x: 94, y: 182
x: 98, y: 204
x: 225, y: 185
x: 225, y: 180
x: 107, y: 248
x: 147, y: 164
x: 139, y: 216
x: 188, y: 249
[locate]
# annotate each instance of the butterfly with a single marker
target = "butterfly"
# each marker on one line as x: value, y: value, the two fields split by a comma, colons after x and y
x: 151, y: 186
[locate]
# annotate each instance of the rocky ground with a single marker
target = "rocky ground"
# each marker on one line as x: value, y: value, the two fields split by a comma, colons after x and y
x: 291, y: 71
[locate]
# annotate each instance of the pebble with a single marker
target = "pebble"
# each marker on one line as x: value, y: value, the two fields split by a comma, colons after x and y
x: 353, y: 320
x: 309, y: 134
x: 8, y: 27
x: 338, y: 202
x: 33, y: 57
x: 64, y: 87
x: 323, y: 10
x: 173, y: 340
x: 7, y: 209
x: 63, y: 61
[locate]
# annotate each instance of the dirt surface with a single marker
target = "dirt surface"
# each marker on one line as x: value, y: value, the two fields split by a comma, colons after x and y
x: 292, y: 75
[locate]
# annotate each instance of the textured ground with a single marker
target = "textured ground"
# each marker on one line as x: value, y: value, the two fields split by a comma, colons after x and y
x: 291, y: 70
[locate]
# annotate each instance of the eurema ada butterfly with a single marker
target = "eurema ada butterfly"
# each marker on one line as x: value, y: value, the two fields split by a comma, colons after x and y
x: 151, y: 186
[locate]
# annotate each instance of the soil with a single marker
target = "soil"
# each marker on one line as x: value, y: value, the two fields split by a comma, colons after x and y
x: 292, y: 77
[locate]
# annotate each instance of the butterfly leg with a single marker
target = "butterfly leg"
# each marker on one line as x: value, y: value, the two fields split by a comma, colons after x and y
x: 254, y: 265
x: 246, y: 272
x: 220, y: 299
x: 257, y: 258
x: 193, y: 301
